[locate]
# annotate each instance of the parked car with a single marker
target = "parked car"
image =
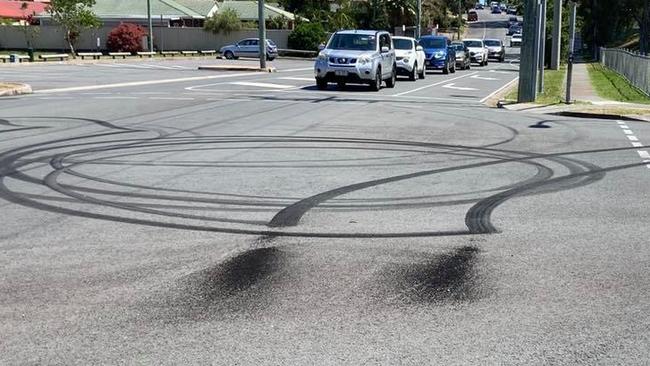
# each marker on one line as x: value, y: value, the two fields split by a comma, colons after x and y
x: 503, y: 7
x: 496, y: 9
x: 472, y: 16
x: 439, y: 56
x: 249, y: 47
x: 496, y: 49
x: 512, y: 10
x: 477, y: 51
x: 516, y: 40
x: 514, y: 29
x: 359, y: 57
x: 410, y: 58
x: 479, y: 6
x: 513, y: 21
x: 463, y: 58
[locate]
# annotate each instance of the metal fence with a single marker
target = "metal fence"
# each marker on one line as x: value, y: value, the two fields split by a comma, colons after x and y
x: 632, y: 65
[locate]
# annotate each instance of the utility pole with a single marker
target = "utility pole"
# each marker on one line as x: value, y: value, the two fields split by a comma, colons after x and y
x: 262, y: 33
x: 572, y: 38
x: 460, y: 17
x: 542, y: 47
x: 529, y: 51
x: 418, y: 26
x: 556, y: 48
x: 150, y: 26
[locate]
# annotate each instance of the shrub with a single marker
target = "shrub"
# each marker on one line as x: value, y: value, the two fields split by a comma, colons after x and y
x: 225, y: 22
x: 126, y: 37
x: 307, y: 36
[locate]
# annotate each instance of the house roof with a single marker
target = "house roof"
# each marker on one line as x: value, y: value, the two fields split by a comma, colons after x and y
x: 247, y: 10
x: 138, y: 8
x: 11, y: 9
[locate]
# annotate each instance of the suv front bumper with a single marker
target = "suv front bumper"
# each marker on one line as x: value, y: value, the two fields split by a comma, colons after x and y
x: 357, y: 73
x: 435, y: 64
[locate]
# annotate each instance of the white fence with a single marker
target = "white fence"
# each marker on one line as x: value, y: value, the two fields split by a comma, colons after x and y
x: 168, y: 39
x: 634, y: 66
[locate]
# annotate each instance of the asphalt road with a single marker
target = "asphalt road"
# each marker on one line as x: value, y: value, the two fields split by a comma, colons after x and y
x: 156, y: 214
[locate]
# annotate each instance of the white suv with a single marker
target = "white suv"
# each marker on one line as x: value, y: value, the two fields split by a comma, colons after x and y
x: 477, y: 51
x: 359, y: 57
x: 410, y: 58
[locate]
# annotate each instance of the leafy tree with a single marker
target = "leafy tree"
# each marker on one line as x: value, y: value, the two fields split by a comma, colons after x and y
x: 126, y: 37
x: 307, y: 36
x: 73, y: 16
x: 226, y: 22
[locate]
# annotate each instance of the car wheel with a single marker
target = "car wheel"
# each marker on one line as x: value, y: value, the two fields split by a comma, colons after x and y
x: 375, y: 85
x: 321, y: 84
x: 229, y: 55
x: 340, y: 85
x: 393, y: 78
x: 414, y: 73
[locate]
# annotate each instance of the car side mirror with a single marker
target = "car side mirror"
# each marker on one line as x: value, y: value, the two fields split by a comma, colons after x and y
x: 419, y: 48
x: 384, y: 49
x: 321, y: 47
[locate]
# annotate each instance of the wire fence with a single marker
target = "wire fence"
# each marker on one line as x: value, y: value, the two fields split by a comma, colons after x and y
x: 634, y: 66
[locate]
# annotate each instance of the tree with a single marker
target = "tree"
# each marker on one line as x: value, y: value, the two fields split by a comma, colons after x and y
x: 226, y: 22
x: 73, y: 16
x: 126, y: 37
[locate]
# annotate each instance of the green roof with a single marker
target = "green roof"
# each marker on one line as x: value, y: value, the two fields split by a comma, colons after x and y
x: 247, y: 10
x: 138, y: 8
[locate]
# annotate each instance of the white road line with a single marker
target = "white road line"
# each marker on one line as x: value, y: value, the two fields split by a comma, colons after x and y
x: 301, y: 69
x: 262, y: 85
x: 296, y: 79
x: 116, y: 97
x: 628, y: 132
x: 483, y: 78
x: 138, y: 83
x: 633, y: 138
x: 643, y: 154
x: 170, y: 98
x: 451, y: 86
x: 499, y: 90
x: 624, y: 127
x: 432, y: 85
x: 621, y: 122
x: 637, y: 144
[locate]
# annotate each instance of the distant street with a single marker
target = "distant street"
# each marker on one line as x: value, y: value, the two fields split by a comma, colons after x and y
x: 154, y: 213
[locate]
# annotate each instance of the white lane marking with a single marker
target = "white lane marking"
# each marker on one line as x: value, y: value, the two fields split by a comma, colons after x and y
x: 115, y: 97
x: 296, y: 78
x: 633, y: 138
x: 628, y: 132
x: 95, y: 93
x: 139, y: 83
x: 170, y: 98
x: 483, y: 78
x: 451, y: 86
x: 301, y: 69
x: 432, y: 85
x: 637, y: 144
x: 262, y: 85
x: 620, y: 122
x: 499, y: 90
x: 144, y: 93
x: 54, y: 98
x: 624, y: 126
x: 643, y: 154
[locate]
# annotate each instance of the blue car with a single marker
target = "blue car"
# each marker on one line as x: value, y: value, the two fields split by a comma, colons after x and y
x: 438, y: 54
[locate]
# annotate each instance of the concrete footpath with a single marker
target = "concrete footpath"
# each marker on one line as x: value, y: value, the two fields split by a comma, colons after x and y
x: 586, y: 102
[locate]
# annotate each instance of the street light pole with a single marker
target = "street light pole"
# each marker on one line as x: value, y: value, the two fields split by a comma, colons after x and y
x: 262, y: 33
x: 529, y: 50
x: 572, y: 37
x: 542, y: 47
x: 557, y: 35
x: 150, y: 26
x: 418, y: 26
x: 460, y: 17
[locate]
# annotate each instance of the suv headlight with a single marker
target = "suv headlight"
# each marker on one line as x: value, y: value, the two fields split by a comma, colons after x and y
x: 322, y: 56
x: 439, y: 55
x: 364, y: 60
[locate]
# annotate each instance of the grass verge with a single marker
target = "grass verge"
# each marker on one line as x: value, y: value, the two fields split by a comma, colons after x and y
x: 553, y: 88
x: 611, y: 85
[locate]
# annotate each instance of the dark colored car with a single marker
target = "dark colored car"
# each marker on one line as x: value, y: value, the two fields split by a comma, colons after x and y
x: 439, y: 56
x: 512, y: 21
x: 463, y: 57
x: 479, y: 6
x: 514, y: 29
x: 472, y: 16
x: 512, y: 10
x: 496, y: 10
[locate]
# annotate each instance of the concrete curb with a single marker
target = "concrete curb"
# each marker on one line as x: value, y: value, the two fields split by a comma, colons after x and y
x: 237, y: 68
x: 15, y: 89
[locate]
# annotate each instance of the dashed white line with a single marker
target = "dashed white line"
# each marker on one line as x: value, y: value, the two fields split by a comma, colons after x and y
x: 432, y: 85
x: 643, y: 154
x: 637, y: 144
x: 628, y: 132
x: 263, y: 85
x: 633, y: 138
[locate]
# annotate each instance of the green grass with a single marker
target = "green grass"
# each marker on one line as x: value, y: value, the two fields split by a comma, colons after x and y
x: 554, y: 91
x: 610, y: 85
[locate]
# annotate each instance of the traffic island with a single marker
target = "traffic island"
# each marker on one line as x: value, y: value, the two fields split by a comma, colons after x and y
x: 237, y: 68
x: 9, y: 89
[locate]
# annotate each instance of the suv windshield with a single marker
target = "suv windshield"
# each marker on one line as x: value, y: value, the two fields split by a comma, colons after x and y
x: 493, y: 43
x: 458, y: 46
x: 357, y: 42
x: 473, y: 43
x: 403, y: 44
x: 433, y: 43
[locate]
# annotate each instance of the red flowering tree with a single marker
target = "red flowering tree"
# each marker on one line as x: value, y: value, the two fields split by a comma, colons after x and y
x: 126, y: 37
